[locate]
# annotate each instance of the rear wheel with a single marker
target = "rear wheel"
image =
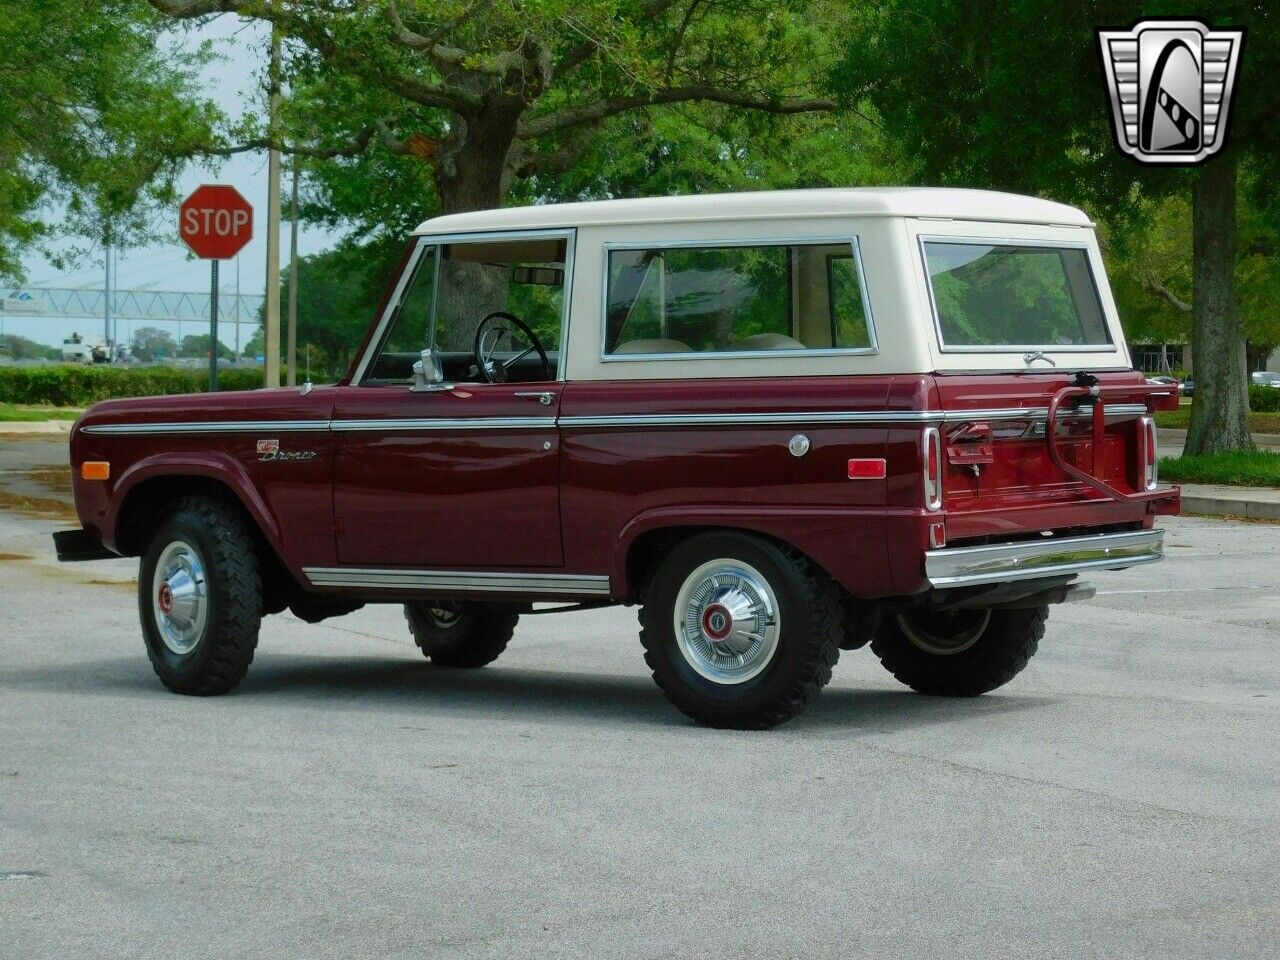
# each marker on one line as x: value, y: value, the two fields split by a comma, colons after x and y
x: 739, y: 632
x: 461, y: 635
x: 200, y: 598
x: 959, y: 653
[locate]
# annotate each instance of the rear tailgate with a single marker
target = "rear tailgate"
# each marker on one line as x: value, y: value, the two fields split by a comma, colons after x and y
x: 1004, y: 475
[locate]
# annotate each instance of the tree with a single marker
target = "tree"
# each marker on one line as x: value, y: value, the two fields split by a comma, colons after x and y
x: 198, y: 344
x: 1014, y: 99
x: 94, y: 119
x: 492, y: 92
x: 21, y: 348
x: 152, y: 343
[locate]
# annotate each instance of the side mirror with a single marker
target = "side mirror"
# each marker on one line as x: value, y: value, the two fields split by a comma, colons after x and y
x: 428, y: 372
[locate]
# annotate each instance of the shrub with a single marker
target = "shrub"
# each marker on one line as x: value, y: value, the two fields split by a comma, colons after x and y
x: 1264, y: 399
x: 79, y: 386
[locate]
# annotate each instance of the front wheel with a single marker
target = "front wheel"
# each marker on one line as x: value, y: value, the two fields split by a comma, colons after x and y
x: 740, y: 632
x: 461, y: 635
x: 200, y: 598
x: 959, y: 653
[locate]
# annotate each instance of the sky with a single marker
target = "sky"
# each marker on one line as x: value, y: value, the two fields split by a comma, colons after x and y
x: 234, y: 80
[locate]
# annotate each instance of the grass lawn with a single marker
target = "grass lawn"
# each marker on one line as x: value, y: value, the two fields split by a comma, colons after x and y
x: 1244, y: 468
x: 1178, y: 420
x: 19, y: 413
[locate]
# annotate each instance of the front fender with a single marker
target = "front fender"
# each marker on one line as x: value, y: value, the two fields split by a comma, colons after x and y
x: 211, y: 465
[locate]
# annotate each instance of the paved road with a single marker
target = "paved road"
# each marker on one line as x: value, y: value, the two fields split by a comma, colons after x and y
x: 1120, y: 799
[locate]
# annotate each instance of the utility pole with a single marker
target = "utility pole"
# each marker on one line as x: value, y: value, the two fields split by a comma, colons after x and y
x: 292, y: 347
x: 106, y: 284
x: 271, y: 373
x: 237, y: 309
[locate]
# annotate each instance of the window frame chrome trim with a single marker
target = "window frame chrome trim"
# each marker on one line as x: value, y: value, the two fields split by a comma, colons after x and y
x: 921, y: 239
x: 463, y: 581
x: 853, y: 240
x: 568, y: 234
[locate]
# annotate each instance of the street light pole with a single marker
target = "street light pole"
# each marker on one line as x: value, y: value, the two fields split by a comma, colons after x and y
x: 292, y: 348
x: 271, y: 319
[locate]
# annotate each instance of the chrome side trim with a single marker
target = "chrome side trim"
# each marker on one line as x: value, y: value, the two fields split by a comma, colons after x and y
x: 835, y: 416
x: 212, y: 426
x: 555, y: 583
x: 1030, y: 559
x: 456, y: 423
x: 1115, y: 410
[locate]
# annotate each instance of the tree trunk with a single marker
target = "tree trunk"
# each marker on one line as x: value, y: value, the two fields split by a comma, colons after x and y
x: 1219, y: 410
x: 472, y: 168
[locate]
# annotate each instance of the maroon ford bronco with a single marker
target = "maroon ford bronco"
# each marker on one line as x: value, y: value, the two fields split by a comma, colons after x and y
x: 782, y: 424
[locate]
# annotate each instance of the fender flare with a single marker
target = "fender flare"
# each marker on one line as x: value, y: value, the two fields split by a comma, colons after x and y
x: 210, y: 465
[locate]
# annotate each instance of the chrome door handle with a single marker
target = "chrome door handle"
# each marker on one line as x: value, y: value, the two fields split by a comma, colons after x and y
x: 546, y: 398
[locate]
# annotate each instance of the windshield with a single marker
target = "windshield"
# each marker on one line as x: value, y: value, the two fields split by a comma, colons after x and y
x: 1005, y: 295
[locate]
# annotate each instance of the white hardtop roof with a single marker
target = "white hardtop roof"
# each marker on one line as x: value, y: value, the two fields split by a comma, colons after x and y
x: 936, y: 202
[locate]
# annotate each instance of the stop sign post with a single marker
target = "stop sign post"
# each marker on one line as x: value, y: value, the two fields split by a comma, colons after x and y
x: 215, y: 222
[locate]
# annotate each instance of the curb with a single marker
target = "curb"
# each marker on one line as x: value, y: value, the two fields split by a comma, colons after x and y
x: 37, y: 426
x: 1212, y: 505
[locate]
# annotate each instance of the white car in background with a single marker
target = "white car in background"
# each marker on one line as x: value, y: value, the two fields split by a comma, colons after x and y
x: 1266, y: 378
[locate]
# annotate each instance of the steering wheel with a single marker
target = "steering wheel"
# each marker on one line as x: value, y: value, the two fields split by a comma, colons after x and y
x: 495, y: 371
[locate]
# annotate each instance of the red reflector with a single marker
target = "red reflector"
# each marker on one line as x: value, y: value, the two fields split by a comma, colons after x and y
x: 937, y: 535
x: 871, y: 468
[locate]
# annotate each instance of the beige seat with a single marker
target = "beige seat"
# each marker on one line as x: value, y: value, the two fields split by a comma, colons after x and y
x: 655, y: 345
x: 768, y: 341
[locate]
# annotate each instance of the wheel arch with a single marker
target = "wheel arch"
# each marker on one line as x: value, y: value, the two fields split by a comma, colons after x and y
x: 146, y: 492
x: 645, y: 542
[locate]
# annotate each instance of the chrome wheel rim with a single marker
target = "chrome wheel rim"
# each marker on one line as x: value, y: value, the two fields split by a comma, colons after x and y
x: 179, y: 597
x: 726, y: 621
x: 945, y: 634
x: 444, y: 617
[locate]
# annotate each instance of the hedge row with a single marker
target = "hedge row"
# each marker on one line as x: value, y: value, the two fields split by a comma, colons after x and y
x: 79, y: 386
x: 1264, y: 399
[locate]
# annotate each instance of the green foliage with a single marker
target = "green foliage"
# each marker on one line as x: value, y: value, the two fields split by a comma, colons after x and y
x: 78, y: 386
x: 1264, y: 399
x: 95, y: 121
x: 1238, y: 468
x: 20, y: 348
x: 1180, y: 419
x: 197, y: 345
x: 152, y: 343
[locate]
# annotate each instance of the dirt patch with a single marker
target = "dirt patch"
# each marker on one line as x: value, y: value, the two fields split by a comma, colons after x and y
x: 42, y: 508
x: 55, y: 479
x: 120, y: 584
x: 15, y: 556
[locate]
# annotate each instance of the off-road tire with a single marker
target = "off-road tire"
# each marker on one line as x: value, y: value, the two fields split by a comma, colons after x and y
x: 233, y: 584
x: 811, y: 626
x: 996, y: 657
x: 476, y: 638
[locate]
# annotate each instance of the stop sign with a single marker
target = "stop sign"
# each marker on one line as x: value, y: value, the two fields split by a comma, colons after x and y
x: 215, y: 221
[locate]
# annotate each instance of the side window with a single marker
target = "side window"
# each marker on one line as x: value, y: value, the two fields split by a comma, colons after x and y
x: 454, y: 287
x: 728, y: 299
x: 410, y: 327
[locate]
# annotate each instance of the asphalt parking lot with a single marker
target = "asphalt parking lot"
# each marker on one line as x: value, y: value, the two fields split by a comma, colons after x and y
x: 1121, y: 798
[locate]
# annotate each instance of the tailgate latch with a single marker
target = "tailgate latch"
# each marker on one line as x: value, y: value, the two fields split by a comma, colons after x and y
x: 971, y: 446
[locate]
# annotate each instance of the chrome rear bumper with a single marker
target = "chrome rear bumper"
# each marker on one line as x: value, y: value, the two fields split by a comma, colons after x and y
x: 1029, y: 559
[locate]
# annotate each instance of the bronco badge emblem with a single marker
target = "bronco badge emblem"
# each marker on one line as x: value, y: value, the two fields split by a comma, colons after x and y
x: 1170, y: 83
x: 269, y: 450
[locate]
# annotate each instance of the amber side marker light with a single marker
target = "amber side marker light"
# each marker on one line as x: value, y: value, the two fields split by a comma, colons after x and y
x: 95, y: 470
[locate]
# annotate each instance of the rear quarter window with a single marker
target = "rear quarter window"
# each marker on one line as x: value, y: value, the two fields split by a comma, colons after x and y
x: 989, y: 295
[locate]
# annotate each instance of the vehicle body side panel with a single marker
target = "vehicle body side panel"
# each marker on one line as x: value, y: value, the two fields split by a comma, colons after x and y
x: 621, y: 481
x: 290, y: 499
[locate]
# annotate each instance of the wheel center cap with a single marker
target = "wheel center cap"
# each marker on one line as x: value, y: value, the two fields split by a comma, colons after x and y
x: 165, y: 598
x: 717, y: 622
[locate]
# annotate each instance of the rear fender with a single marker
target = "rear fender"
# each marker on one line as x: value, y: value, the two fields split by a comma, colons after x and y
x: 848, y: 544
